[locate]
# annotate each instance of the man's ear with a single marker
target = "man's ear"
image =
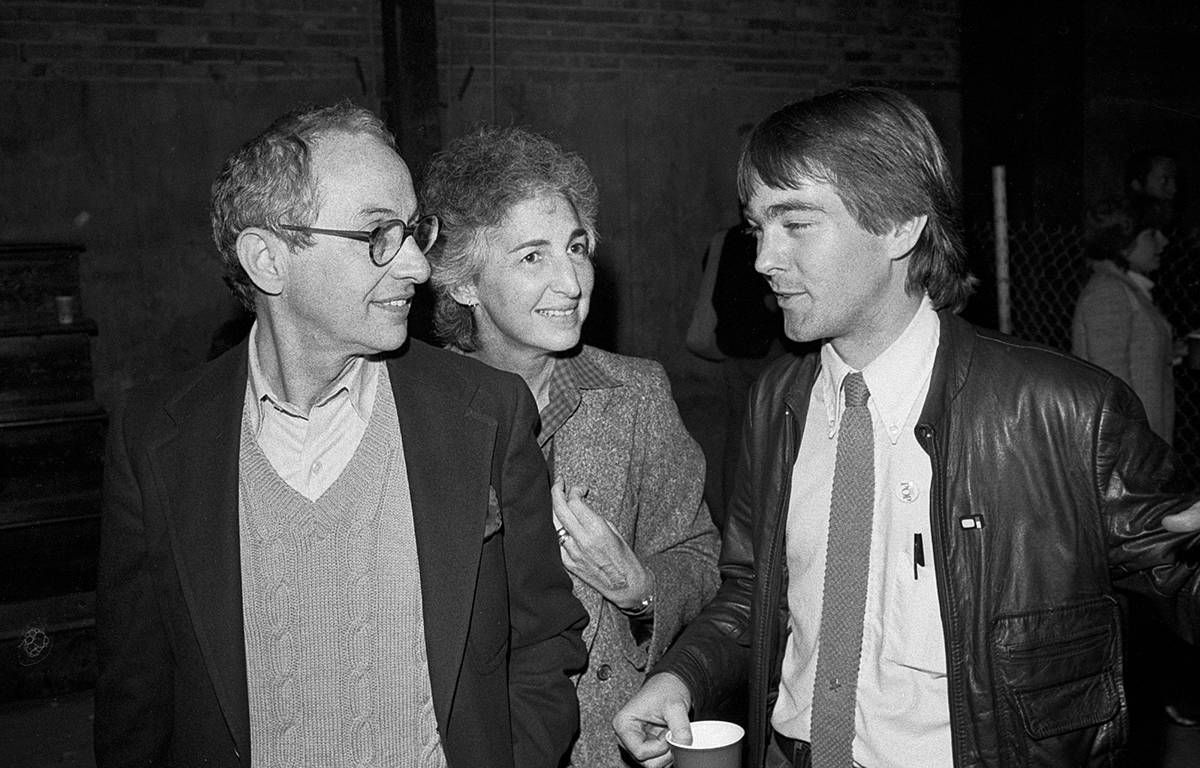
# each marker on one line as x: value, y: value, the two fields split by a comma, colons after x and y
x: 904, y: 237
x: 466, y: 294
x: 261, y: 254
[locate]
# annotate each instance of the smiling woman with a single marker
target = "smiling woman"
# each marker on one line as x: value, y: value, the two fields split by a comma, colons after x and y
x: 532, y: 293
x: 513, y: 276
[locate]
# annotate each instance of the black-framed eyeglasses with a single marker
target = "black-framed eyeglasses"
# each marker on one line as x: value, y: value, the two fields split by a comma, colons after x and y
x: 387, y: 239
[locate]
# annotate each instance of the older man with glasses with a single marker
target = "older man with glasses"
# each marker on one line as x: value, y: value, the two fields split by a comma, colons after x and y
x: 332, y: 545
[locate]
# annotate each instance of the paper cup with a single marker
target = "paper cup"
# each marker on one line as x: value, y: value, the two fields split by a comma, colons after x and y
x: 715, y: 744
x: 65, y: 307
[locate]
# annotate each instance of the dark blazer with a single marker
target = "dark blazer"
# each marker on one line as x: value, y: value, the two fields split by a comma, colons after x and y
x: 502, y: 630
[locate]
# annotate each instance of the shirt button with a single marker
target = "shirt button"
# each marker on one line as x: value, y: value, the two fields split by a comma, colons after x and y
x: 604, y: 672
x: 316, y: 467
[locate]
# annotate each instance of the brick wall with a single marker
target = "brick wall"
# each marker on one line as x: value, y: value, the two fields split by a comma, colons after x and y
x: 115, y: 116
x: 783, y: 46
x: 114, y: 119
x: 190, y: 40
x: 657, y: 96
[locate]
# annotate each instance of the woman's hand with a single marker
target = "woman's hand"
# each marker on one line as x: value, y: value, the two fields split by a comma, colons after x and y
x: 594, y: 551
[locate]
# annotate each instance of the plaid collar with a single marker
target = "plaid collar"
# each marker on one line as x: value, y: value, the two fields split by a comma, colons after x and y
x: 570, y: 376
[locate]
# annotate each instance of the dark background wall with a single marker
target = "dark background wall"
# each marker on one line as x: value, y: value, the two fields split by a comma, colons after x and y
x: 1062, y: 92
x: 114, y: 119
x: 657, y: 97
x: 1023, y: 93
x: 115, y: 116
x: 1141, y: 90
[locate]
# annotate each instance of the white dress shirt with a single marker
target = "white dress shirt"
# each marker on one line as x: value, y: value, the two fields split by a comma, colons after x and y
x: 310, y: 450
x: 902, y: 717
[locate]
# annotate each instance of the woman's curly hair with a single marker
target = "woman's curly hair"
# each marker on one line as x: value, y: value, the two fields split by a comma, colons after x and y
x: 471, y: 186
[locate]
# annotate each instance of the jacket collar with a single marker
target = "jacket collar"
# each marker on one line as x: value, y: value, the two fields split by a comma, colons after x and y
x: 573, y: 375
x: 956, y: 350
x: 1134, y: 280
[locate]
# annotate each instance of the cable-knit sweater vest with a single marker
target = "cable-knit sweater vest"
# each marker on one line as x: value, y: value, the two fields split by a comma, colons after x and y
x: 331, y: 596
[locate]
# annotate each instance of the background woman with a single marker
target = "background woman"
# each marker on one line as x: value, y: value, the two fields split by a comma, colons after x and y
x: 513, y: 277
x: 1116, y: 324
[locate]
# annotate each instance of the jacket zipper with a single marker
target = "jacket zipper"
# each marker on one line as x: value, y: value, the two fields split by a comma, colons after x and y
x: 768, y: 616
x: 937, y: 513
x: 1070, y: 646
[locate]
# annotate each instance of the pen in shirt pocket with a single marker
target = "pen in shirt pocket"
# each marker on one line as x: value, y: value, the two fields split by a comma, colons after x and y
x: 918, y: 554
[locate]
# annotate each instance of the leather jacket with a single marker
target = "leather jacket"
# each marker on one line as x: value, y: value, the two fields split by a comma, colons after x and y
x: 1047, y: 494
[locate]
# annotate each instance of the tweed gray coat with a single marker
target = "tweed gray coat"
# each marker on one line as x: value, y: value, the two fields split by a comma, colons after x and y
x: 625, y: 441
x: 1117, y: 327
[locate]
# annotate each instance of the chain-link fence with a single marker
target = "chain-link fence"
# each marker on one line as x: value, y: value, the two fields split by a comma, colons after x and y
x: 1047, y: 270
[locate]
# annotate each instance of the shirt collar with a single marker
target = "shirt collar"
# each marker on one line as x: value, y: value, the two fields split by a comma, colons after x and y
x: 1136, y: 279
x: 570, y: 376
x: 359, y: 379
x: 895, y: 378
x: 1139, y: 281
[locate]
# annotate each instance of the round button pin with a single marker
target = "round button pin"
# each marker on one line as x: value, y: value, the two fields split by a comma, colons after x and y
x: 907, y: 491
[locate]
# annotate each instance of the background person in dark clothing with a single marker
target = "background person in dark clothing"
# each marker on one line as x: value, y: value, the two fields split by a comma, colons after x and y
x: 749, y: 333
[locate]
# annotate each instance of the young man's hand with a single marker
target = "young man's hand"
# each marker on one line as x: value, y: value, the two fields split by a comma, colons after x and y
x: 661, y: 705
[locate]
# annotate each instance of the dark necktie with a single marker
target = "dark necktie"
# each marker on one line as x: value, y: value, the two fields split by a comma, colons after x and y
x: 844, y: 599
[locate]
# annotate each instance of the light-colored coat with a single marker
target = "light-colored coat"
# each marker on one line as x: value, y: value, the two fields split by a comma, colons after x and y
x: 1117, y: 327
x: 626, y: 442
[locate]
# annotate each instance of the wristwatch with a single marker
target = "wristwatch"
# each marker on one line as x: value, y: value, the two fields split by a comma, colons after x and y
x: 646, y: 606
x: 641, y: 609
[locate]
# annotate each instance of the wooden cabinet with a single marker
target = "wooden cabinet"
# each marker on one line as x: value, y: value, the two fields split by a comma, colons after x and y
x: 51, y: 452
